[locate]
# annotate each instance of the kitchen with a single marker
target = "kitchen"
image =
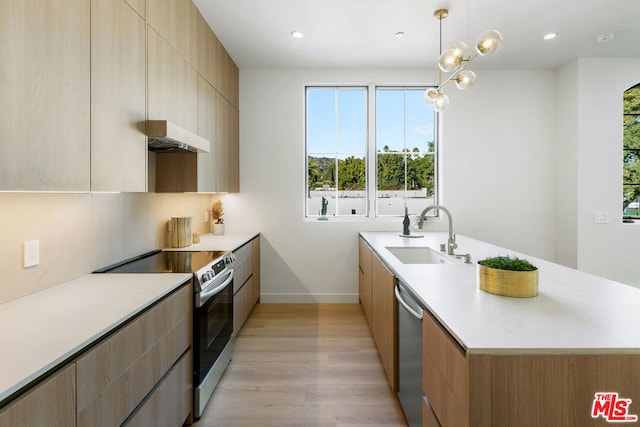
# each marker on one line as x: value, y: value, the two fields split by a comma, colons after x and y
x: 547, y: 212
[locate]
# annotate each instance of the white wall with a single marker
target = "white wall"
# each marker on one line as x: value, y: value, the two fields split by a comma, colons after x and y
x: 496, y: 169
x: 79, y: 233
x: 567, y: 165
x: 609, y: 250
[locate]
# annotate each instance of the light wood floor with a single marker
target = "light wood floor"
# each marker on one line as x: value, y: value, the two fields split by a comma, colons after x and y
x: 304, y: 365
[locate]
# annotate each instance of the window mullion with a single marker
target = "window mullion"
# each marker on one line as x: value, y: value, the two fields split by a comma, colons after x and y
x: 372, y: 173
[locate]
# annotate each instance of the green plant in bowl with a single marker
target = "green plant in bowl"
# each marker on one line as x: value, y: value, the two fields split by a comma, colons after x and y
x: 506, y: 276
x: 508, y: 263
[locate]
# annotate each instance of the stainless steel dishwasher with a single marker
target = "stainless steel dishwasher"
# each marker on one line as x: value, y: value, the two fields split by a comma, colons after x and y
x: 410, y: 313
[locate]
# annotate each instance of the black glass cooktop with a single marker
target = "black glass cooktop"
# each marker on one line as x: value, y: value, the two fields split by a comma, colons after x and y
x: 165, y: 262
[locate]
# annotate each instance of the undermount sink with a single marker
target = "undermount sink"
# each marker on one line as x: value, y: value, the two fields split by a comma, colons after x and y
x: 417, y: 255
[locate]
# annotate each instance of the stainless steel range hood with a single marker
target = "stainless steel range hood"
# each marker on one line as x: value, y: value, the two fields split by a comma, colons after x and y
x: 165, y: 136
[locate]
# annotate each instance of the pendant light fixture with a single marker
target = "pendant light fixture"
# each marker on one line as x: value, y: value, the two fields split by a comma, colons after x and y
x: 455, y: 59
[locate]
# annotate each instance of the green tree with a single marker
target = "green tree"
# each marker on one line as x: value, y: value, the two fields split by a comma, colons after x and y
x: 391, y: 171
x: 351, y: 173
x: 313, y: 172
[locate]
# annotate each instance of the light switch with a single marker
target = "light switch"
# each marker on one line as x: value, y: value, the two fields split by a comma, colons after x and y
x: 601, y: 217
x: 31, y: 253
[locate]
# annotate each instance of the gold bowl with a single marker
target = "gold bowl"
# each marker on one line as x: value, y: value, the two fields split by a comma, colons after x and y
x: 518, y: 284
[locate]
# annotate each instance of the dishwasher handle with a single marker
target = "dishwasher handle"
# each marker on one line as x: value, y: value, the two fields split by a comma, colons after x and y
x: 405, y: 305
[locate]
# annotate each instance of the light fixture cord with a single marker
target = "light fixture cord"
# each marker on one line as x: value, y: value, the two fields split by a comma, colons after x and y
x: 440, y: 54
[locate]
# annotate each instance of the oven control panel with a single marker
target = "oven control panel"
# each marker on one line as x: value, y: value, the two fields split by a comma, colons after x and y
x: 208, y: 273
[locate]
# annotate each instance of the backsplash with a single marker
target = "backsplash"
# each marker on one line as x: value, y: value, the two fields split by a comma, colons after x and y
x: 79, y: 233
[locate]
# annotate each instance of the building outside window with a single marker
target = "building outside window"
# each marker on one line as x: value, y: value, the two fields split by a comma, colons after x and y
x: 631, y: 154
x: 351, y: 131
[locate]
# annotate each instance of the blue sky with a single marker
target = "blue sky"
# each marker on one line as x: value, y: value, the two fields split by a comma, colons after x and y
x: 352, y: 120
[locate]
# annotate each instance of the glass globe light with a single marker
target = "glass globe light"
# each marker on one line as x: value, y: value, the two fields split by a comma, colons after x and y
x: 450, y: 60
x: 441, y: 102
x: 488, y: 42
x: 429, y: 95
x: 461, y: 49
x: 465, y: 79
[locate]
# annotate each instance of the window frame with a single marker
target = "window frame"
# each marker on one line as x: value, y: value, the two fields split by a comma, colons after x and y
x: 370, y: 154
x: 626, y: 216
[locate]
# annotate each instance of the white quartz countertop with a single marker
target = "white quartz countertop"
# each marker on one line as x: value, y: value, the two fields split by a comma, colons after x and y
x: 42, y: 330
x: 224, y: 242
x: 574, y: 312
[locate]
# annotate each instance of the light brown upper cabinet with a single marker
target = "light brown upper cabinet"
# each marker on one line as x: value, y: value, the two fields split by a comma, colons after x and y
x: 118, y: 98
x: 227, y: 153
x: 176, y: 22
x: 140, y: 6
x: 208, y: 46
x: 207, y: 105
x: 228, y: 78
x: 44, y: 107
x: 172, y: 84
x: 218, y: 170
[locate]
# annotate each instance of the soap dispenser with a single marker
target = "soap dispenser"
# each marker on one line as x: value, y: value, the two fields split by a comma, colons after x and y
x: 406, y: 222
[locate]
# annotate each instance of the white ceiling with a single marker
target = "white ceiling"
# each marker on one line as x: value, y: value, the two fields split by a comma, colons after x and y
x: 360, y: 33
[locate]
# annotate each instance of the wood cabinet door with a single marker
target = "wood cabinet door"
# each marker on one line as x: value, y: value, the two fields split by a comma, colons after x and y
x: 51, y: 403
x: 207, y: 126
x: 208, y: 45
x: 118, y: 98
x: 176, y: 22
x: 364, y: 278
x: 227, y: 76
x: 256, y: 269
x: 227, y: 147
x: 45, y: 92
x: 119, y: 372
x: 171, y: 402
x: 385, y: 318
x: 172, y: 84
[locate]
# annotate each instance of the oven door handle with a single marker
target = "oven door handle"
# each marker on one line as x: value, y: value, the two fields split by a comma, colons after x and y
x: 204, y: 296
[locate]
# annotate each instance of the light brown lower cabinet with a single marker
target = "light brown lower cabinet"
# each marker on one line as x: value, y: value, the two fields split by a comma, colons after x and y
x: 171, y: 402
x: 143, y: 368
x: 384, y: 319
x: 50, y: 403
x: 376, y: 288
x: 428, y: 418
x: 246, y: 283
x: 119, y: 372
x: 364, y: 278
x: 521, y: 389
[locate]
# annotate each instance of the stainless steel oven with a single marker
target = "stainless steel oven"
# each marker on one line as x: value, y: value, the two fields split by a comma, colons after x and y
x: 213, y: 331
x: 212, y: 309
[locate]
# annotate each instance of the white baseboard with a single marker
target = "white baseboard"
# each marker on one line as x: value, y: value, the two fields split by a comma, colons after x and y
x: 297, y: 298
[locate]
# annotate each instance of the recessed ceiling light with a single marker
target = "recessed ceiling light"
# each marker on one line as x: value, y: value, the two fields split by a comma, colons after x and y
x: 605, y: 37
x: 297, y: 34
x: 550, y: 36
x: 400, y: 34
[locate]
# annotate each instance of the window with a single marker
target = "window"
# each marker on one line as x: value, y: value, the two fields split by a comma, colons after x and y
x: 336, y: 137
x: 342, y: 149
x: 631, y: 154
x: 405, y: 151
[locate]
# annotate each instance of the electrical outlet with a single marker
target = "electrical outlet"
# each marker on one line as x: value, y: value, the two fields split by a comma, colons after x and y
x: 601, y: 217
x: 31, y: 253
x: 206, y: 216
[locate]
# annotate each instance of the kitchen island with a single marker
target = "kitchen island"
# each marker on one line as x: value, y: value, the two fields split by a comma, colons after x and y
x: 490, y: 360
